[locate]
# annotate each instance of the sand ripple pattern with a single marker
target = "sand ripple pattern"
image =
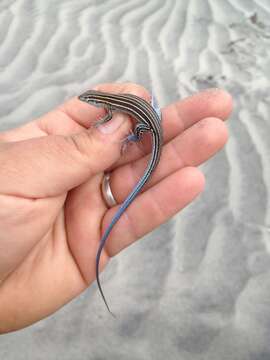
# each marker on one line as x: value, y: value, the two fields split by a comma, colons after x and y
x: 199, y: 287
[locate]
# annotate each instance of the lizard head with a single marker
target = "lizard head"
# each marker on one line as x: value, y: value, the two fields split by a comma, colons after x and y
x: 92, y: 97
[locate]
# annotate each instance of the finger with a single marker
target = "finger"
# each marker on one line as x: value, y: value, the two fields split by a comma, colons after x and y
x: 75, y: 115
x: 70, y: 117
x: 153, y: 207
x: 84, y: 208
x: 51, y: 165
x: 85, y: 114
x: 183, y: 114
x: 176, y: 117
x: 24, y: 132
x: 194, y: 146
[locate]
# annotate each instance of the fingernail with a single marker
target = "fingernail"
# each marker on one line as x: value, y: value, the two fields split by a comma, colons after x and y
x: 113, y: 124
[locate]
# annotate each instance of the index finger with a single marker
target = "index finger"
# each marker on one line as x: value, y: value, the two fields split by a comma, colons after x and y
x: 74, y: 115
x: 176, y: 117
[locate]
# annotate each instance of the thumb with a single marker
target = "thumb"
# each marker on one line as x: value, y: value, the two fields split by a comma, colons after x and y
x: 53, y: 164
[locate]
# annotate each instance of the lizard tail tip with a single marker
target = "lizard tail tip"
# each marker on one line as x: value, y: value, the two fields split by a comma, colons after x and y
x: 113, y: 315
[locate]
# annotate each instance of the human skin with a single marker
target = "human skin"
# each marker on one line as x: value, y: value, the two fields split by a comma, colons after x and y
x: 52, y: 213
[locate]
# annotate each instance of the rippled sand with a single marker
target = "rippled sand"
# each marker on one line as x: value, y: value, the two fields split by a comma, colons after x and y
x: 199, y: 287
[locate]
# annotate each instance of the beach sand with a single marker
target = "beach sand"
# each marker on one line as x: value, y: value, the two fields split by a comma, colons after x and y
x: 198, y: 288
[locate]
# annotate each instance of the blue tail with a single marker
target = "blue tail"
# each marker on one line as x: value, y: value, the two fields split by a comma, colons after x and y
x: 107, y: 232
x: 148, y: 171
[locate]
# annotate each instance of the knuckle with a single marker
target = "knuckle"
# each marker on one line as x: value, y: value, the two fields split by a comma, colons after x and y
x: 84, y: 143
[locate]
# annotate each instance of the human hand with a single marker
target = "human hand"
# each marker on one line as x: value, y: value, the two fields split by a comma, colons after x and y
x: 52, y: 213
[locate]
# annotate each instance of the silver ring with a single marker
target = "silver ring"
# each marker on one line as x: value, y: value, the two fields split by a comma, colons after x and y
x: 107, y: 191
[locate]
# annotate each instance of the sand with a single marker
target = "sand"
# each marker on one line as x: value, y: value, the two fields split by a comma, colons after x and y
x: 198, y: 287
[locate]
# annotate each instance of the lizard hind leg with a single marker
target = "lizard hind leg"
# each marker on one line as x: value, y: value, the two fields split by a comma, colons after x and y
x: 134, y: 137
x: 128, y: 140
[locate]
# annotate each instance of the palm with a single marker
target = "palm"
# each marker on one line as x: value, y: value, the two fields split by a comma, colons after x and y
x: 55, y: 251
